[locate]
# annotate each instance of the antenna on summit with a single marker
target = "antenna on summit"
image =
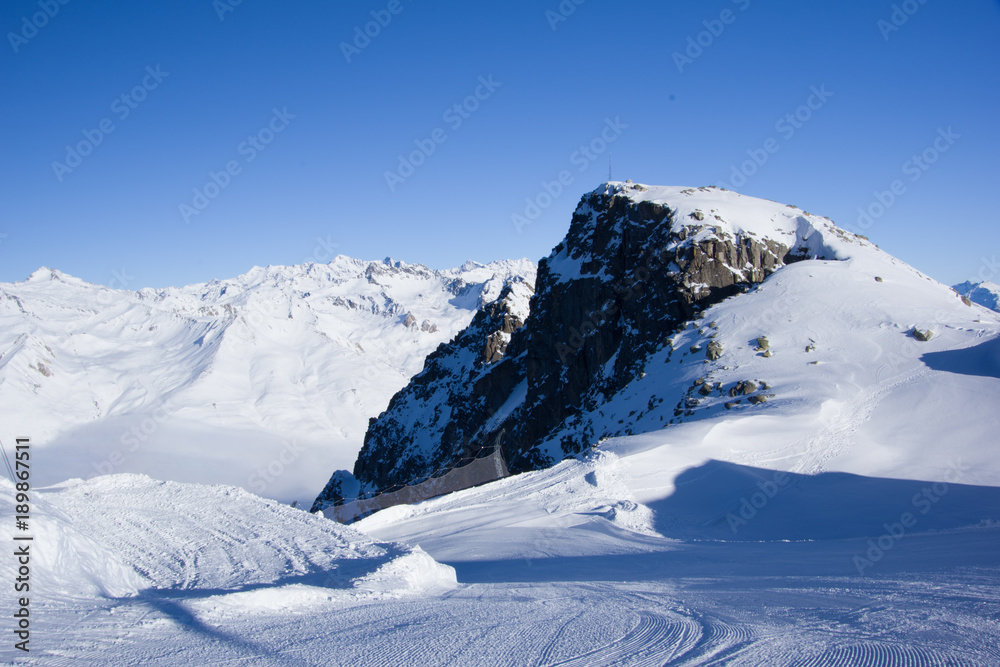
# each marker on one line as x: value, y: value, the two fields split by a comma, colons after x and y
x: 610, y: 155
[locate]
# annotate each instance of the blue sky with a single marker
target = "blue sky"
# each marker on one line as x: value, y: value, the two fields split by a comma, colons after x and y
x: 308, y: 129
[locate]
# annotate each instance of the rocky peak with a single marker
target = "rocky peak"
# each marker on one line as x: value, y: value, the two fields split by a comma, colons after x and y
x: 637, y: 263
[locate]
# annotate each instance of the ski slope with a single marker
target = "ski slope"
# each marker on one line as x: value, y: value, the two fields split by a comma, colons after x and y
x: 852, y: 519
x: 849, y: 515
x: 558, y: 567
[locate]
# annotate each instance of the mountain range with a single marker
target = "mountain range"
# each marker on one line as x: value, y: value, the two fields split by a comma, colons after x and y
x: 740, y: 435
x: 263, y: 381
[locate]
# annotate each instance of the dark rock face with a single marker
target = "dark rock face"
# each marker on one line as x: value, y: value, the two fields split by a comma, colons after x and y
x: 626, y: 276
x: 425, y: 427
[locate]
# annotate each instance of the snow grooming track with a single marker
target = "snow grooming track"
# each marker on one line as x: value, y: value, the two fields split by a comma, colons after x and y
x: 546, y: 655
x: 656, y: 639
x: 878, y: 654
x: 110, y: 630
x: 719, y: 641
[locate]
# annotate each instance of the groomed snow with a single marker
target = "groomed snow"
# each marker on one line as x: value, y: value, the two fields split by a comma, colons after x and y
x: 122, y: 535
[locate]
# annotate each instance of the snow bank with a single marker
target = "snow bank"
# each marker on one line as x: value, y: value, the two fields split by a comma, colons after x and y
x: 65, y: 558
x: 118, y: 535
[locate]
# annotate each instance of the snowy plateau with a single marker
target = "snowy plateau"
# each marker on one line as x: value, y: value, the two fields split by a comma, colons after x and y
x: 803, y: 472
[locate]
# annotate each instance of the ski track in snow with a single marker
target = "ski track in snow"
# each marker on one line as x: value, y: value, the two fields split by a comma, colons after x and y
x: 817, y: 623
x: 836, y: 437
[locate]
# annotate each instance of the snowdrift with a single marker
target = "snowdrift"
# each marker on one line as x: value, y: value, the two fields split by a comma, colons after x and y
x: 125, y: 535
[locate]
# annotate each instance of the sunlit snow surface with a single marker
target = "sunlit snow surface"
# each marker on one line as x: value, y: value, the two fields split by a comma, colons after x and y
x: 852, y: 519
x: 557, y: 567
x: 264, y: 381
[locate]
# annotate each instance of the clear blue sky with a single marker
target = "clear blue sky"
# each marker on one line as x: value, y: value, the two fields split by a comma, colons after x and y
x: 319, y: 186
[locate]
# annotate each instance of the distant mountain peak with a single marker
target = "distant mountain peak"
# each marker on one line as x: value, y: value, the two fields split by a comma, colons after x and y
x: 277, y: 352
x: 984, y: 293
x: 43, y: 273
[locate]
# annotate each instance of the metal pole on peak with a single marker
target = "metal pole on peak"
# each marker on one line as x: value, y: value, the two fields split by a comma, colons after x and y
x: 6, y: 460
x: 610, y: 155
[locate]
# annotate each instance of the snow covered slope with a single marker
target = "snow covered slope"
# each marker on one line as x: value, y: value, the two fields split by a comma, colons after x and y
x: 120, y: 535
x: 265, y: 381
x: 665, y: 305
x: 984, y: 293
x: 656, y: 551
x: 803, y: 471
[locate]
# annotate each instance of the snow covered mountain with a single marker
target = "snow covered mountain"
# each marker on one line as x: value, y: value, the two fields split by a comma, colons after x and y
x: 667, y: 305
x: 828, y: 492
x: 984, y: 293
x: 264, y: 381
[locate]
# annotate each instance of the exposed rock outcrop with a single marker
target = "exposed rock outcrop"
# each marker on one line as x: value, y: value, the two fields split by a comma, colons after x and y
x: 425, y: 420
x: 629, y: 273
